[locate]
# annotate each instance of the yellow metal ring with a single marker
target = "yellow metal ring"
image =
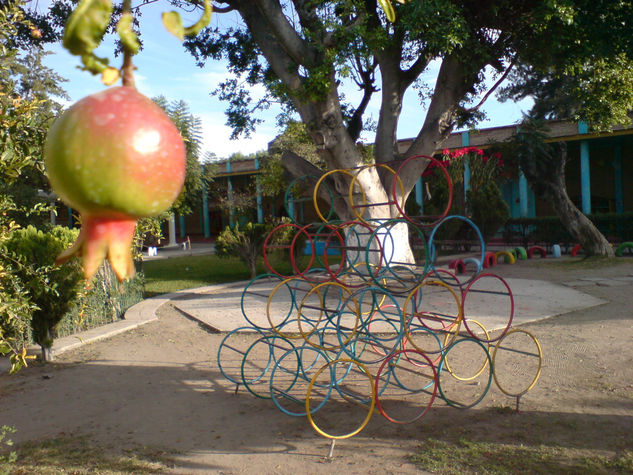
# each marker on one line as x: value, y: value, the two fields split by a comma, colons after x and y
x: 306, y: 335
x: 453, y: 328
x: 369, y: 411
x: 273, y: 327
x: 364, y: 197
x: 483, y: 367
x: 538, y: 371
x: 316, y: 190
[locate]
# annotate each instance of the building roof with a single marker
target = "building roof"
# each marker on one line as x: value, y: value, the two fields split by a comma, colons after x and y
x: 559, y: 130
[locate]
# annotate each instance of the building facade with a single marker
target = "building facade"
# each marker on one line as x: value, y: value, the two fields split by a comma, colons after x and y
x: 599, y: 178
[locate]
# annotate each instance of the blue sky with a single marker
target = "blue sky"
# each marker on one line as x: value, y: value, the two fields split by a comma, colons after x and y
x: 165, y: 68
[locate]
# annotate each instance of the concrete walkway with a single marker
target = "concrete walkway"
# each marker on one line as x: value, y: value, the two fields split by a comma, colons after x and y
x: 222, y: 307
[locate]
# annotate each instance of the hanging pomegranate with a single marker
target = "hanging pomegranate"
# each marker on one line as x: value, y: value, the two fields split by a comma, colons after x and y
x: 114, y: 156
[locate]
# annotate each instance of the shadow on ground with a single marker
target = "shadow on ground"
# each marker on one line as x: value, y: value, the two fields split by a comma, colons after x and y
x: 188, y: 409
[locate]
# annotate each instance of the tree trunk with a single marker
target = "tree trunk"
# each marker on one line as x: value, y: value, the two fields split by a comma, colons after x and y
x: 547, y: 178
x: 252, y: 267
x: 579, y: 226
x: 47, y: 347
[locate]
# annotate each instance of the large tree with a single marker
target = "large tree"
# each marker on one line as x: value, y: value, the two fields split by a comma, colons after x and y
x: 558, y: 96
x: 543, y: 164
x: 305, y: 51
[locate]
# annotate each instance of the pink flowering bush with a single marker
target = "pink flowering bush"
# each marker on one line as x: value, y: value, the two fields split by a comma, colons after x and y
x: 482, y: 202
x: 483, y: 168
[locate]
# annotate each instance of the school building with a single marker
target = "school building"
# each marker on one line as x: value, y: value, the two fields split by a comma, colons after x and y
x: 599, y: 176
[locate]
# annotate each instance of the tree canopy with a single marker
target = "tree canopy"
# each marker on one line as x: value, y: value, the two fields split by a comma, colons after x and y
x: 190, y: 129
x: 305, y: 51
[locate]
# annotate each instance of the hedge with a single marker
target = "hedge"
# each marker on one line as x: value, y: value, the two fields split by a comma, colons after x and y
x: 104, y: 302
x: 616, y: 227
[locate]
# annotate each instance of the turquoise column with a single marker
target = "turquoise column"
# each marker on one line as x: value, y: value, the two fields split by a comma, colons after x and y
x: 617, y: 178
x: 585, y: 173
x: 260, y: 209
x: 291, y: 209
x: 205, y: 212
x: 419, y: 196
x: 523, y: 195
x: 229, y: 193
x: 70, y: 217
x: 181, y: 225
x: 466, y: 143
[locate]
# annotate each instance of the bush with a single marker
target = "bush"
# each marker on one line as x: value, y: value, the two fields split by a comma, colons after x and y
x: 489, y: 210
x: 42, y: 301
x: 7, y: 456
x: 247, y: 242
x: 51, y: 288
x: 104, y: 301
x: 15, y: 309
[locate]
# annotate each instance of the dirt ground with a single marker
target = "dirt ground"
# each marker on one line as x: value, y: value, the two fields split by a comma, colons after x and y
x: 159, y: 386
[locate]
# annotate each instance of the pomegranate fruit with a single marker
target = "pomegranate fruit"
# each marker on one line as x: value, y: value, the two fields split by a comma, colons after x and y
x: 114, y: 156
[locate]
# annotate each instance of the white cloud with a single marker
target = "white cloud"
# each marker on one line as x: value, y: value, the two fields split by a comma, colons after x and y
x: 216, y: 139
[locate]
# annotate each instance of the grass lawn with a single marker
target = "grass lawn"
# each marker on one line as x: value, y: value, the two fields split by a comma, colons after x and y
x: 78, y: 455
x: 178, y: 273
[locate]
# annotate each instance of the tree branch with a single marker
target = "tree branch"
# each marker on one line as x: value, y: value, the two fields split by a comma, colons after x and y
x: 416, y: 68
x: 390, y: 107
x: 127, y: 69
x: 281, y: 63
x: 227, y: 9
x: 288, y: 39
x: 365, y: 81
x: 493, y: 88
x: 451, y: 86
x: 355, y: 125
x: 298, y: 166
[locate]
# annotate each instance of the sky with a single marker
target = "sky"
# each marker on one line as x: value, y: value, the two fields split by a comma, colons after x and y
x: 165, y: 68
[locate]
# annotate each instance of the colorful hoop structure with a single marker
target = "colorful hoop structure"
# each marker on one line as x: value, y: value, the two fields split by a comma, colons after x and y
x: 371, y: 306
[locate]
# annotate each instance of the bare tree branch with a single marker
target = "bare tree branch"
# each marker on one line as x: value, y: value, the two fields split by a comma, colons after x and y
x: 217, y: 9
x: 493, y: 88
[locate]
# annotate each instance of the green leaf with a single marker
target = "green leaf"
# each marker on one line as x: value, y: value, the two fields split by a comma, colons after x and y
x: 86, y: 26
x: 127, y: 34
x: 16, y: 365
x: 85, y: 29
x: 204, y: 20
x: 173, y: 24
x: 93, y: 63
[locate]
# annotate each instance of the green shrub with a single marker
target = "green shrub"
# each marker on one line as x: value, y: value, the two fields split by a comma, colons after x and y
x: 488, y: 209
x: 7, y: 456
x: 104, y: 301
x: 40, y: 301
x: 51, y: 288
x: 15, y: 309
x: 247, y: 241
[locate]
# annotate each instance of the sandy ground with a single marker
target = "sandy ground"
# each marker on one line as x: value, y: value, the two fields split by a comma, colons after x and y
x: 159, y: 386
